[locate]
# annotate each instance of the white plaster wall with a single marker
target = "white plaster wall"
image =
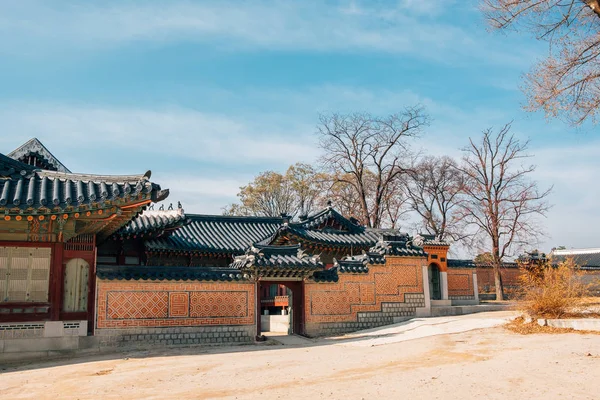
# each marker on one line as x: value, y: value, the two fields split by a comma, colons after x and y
x: 275, y: 323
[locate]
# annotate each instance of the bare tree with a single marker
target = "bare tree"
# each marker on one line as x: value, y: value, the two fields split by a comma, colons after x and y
x: 435, y: 190
x: 343, y: 197
x: 567, y: 82
x: 501, y: 202
x: 358, y: 145
x: 396, y: 203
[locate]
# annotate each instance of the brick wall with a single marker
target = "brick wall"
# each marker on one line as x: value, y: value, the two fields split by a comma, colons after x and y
x: 359, y: 301
x: 159, y: 312
x: 460, y: 283
x: 485, y: 279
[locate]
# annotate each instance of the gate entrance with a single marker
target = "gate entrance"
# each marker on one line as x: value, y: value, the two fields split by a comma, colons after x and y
x: 435, y: 288
x: 281, y: 307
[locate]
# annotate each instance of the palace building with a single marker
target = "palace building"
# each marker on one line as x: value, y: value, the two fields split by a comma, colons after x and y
x: 86, y: 262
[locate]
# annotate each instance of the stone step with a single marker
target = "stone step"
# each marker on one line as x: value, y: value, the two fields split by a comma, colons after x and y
x: 443, y: 311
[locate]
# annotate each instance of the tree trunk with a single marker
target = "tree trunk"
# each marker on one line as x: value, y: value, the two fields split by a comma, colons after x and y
x: 498, y: 283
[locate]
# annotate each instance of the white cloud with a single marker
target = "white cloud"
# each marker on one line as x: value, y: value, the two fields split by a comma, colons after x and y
x: 170, y: 132
x: 227, y: 151
x: 37, y: 27
x: 202, y: 194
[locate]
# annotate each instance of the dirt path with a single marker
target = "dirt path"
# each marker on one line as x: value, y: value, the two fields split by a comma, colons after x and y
x: 489, y: 364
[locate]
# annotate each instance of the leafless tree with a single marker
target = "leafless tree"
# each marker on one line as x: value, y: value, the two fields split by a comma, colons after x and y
x: 343, y: 197
x: 358, y: 145
x: 567, y: 82
x: 502, y: 203
x: 435, y: 190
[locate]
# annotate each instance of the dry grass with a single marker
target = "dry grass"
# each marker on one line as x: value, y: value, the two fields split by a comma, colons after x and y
x: 518, y: 325
x: 549, y: 292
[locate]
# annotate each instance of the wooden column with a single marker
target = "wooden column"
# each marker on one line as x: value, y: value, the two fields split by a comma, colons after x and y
x: 56, y: 281
x: 257, y: 307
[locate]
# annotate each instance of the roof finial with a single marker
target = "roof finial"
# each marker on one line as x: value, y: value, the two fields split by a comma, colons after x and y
x: 329, y: 203
x: 162, y: 207
x: 179, y: 205
x: 170, y: 207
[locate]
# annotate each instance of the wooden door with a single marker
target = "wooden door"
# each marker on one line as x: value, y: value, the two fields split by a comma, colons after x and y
x: 76, y: 286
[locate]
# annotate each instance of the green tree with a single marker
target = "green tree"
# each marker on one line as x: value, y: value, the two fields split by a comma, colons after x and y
x: 299, y: 191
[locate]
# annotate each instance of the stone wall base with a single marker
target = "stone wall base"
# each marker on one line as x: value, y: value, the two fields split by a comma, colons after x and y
x: 390, y: 313
x: 464, y: 300
x: 176, y: 336
x: 42, y: 329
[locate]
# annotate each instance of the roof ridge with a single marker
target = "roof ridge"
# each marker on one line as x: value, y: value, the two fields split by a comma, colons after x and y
x: 93, y: 177
x: 35, y: 141
x: 217, y: 217
x: 588, y: 250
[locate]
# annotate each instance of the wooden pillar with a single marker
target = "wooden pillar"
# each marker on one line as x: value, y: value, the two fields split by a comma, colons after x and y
x: 301, y: 310
x: 257, y: 307
x: 56, y: 281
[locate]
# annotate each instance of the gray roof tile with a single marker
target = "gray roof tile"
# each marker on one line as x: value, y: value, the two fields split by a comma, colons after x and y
x: 28, y: 189
x: 216, y: 234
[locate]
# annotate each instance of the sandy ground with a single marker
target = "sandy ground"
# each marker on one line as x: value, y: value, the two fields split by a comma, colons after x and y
x: 489, y: 363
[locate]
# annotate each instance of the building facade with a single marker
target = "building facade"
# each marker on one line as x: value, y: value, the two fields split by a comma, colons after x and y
x: 85, y: 260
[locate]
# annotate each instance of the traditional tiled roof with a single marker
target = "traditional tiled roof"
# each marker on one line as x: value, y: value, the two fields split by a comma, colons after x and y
x: 23, y: 188
x: 105, y: 203
x: 359, y: 238
x: 159, y: 273
x: 326, y: 228
x: 277, y: 261
x: 154, y: 223
x: 423, y: 239
x: 397, y: 245
x: 457, y: 263
x: 326, y: 276
x: 586, y: 259
x: 216, y: 234
x: 329, y: 218
x: 532, y: 257
x: 35, y: 148
x: 353, y: 264
x: 467, y: 263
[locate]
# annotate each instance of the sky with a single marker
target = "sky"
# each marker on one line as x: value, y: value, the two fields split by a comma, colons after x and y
x: 207, y: 94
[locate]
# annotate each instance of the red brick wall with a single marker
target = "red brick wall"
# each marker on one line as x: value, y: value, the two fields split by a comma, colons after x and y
x: 354, y: 293
x: 485, y: 279
x: 130, y: 304
x: 460, y: 282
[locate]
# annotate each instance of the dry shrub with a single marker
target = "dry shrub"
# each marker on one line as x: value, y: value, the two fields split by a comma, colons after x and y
x: 551, y: 292
x: 520, y: 326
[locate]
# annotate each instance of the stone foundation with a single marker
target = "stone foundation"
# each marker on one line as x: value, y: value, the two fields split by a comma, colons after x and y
x: 391, y: 313
x: 181, y: 336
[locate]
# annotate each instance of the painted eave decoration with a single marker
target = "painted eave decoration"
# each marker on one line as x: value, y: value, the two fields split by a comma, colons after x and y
x: 104, y: 202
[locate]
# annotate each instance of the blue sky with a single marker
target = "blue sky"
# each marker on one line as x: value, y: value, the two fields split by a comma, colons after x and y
x: 209, y: 93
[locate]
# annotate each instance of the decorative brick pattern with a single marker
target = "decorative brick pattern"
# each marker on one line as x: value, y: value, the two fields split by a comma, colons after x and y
x: 137, y: 304
x: 390, y: 313
x: 354, y: 296
x: 219, y: 304
x: 140, y: 305
x: 460, y: 283
x: 179, y: 304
